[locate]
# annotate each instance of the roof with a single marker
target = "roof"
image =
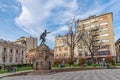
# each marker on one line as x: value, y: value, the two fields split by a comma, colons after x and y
x: 94, y: 16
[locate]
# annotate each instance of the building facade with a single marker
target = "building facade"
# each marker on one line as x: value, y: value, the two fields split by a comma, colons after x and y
x: 117, y: 46
x: 104, y: 26
x: 61, y: 50
x: 105, y: 33
x: 11, y: 53
x: 30, y: 42
x: 31, y: 56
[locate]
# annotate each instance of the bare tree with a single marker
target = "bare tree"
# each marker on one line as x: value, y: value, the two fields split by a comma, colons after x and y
x: 91, y: 41
x: 72, y: 37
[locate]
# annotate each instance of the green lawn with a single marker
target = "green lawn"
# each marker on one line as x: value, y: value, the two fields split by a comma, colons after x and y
x: 18, y: 69
x: 24, y: 68
x: 55, y: 67
x: 75, y: 65
x: 3, y: 71
x: 118, y: 64
x: 84, y: 66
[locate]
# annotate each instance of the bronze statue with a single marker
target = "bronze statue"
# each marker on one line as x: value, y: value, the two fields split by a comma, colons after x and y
x: 42, y: 36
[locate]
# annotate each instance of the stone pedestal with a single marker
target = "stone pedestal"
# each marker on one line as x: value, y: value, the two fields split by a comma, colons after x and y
x: 42, y: 64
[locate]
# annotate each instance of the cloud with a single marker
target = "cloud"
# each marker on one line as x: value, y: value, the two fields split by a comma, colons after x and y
x: 38, y: 15
x: 98, y: 8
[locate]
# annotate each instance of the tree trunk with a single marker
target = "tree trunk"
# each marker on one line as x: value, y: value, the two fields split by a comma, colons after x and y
x: 72, y: 56
x: 93, y: 61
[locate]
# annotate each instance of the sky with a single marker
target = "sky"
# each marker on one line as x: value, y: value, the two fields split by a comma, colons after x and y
x: 30, y: 17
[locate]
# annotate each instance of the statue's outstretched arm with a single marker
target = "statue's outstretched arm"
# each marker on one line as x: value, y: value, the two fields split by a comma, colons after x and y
x: 48, y: 32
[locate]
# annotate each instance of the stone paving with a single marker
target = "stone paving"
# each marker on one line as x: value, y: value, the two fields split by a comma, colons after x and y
x: 103, y: 74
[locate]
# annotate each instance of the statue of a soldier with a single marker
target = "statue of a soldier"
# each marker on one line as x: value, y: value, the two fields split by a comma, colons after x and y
x: 42, y: 37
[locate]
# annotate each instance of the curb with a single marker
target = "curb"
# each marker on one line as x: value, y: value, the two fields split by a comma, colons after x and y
x: 14, y: 73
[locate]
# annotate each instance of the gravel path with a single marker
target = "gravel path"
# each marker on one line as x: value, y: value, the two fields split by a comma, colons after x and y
x: 105, y: 74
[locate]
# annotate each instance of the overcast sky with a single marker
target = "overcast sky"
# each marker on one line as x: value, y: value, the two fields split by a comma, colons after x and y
x: 30, y: 17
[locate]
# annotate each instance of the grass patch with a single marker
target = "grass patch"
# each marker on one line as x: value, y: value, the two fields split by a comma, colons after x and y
x: 67, y: 65
x: 24, y: 68
x: 92, y: 65
x: 17, y: 69
x: 3, y: 71
x: 75, y: 65
x: 118, y: 64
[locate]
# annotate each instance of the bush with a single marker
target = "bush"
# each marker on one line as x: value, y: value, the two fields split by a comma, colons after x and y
x: 89, y: 63
x: 81, y: 61
x: 109, y: 60
x: 18, y: 65
x: 57, y: 62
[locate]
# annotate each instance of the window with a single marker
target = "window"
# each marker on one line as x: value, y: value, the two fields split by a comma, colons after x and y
x: 22, y: 53
x: 87, y: 27
x: 11, y: 51
x: 4, y: 50
x: 60, y: 49
x: 59, y: 42
x: 93, y: 20
x: 94, y: 25
x: 104, y: 52
x: 3, y: 59
x: 60, y: 54
x: 86, y: 54
x: 104, y: 35
x: 66, y: 54
x: 21, y: 60
x: 16, y: 51
x: 10, y: 59
x: 80, y: 54
x: 101, y: 19
x: 87, y: 22
x: 96, y: 19
x: 16, y: 60
x: 103, y: 29
x: 105, y: 40
x: 105, y: 47
x: 66, y: 48
x: 119, y: 48
x: 104, y: 24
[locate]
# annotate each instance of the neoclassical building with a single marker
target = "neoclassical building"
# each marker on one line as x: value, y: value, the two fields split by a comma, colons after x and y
x: 11, y: 53
x: 30, y: 42
x: 117, y: 46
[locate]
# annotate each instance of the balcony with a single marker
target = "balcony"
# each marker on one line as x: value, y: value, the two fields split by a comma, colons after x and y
x: 95, y: 29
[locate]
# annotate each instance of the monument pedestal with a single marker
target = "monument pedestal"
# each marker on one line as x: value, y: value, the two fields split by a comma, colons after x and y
x: 42, y: 64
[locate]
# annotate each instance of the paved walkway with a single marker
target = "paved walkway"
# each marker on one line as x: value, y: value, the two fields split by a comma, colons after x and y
x: 105, y: 74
